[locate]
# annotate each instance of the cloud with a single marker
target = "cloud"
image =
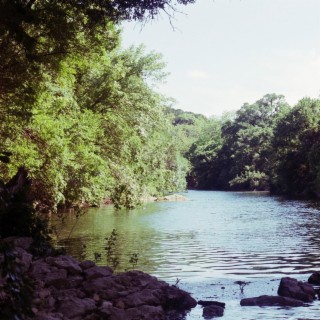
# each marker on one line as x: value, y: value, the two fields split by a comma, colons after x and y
x: 198, y: 74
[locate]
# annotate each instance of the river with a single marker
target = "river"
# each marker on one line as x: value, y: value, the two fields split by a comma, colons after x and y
x: 207, y: 243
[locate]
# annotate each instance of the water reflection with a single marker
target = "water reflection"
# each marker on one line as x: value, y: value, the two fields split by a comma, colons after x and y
x: 214, y: 234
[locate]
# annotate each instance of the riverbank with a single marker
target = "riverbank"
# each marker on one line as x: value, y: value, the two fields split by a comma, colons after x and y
x: 64, y: 288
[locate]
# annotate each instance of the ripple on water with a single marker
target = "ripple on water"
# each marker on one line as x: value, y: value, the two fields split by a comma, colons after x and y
x: 215, y: 235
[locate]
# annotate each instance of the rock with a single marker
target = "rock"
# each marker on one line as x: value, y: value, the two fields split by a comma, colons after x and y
x: 52, y: 276
x: 177, y: 299
x: 69, y: 290
x: 141, y: 297
x: 84, y: 265
x: 106, y: 287
x: 20, y: 242
x: 65, y: 262
x: 145, y: 313
x: 97, y: 272
x: 105, y: 309
x: 141, y: 313
x: 134, y: 288
x: 292, y: 288
x: 50, y: 302
x: 44, y: 293
x: 74, y: 307
x: 24, y: 258
x: 212, y: 311
x: 61, y: 295
x: 48, y: 316
x: 268, y: 301
x: 315, y: 278
x: 211, y: 303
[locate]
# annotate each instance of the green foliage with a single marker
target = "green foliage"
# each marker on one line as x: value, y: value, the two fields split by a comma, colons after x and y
x: 265, y: 145
x: 111, y: 250
x: 113, y: 254
x: 96, y: 130
x: 134, y: 258
x: 251, y: 179
x: 204, y: 157
x: 78, y: 112
x: 296, y: 150
x: 234, y: 151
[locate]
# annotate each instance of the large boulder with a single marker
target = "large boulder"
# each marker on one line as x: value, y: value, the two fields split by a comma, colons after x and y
x: 268, y: 301
x: 292, y: 288
x: 177, y: 299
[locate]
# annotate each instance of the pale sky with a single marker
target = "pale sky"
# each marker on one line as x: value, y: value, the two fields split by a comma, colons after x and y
x: 227, y: 52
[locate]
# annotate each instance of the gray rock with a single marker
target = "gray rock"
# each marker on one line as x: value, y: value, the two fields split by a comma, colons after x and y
x: 211, y: 303
x: 142, y: 297
x: 141, y: 313
x: 212, y: 311
x: 74, y: 307
x: 268, y: 301
x: 20, y: 242
x: 292, y: 288
x: 97, y: 272
x: 177, y: 299
x: 315, y: 278
x: 50, y: 275
x: 84, y: 265
x: 48, y: 316
x: 24, y: 258
x: 107, y: 287
x: 145, y: 313
x: 65, y: 262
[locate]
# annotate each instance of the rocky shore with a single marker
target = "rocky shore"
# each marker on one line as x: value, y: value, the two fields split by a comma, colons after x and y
x: 64, y: 288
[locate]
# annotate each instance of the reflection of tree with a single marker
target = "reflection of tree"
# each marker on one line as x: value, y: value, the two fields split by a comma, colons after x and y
x: 134, y: 236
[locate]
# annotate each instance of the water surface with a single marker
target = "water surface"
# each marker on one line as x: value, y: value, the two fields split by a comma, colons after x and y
x: 209, y: 242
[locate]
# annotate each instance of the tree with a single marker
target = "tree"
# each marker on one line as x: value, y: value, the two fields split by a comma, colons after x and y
x: 37, y: 35
x: 236, y: 153
x: 295, y: 144
x: 203, y: 155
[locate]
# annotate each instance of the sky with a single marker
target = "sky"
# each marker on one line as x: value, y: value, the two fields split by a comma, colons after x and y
x: 223, y: 53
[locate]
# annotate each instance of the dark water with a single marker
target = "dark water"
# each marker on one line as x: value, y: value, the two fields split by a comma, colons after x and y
x: 208, y: 243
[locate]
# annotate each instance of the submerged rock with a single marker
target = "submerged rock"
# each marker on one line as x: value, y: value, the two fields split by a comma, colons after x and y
x: 292, y: 288
x: 268, y: 301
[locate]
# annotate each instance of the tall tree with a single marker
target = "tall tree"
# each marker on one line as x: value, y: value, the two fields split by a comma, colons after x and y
x: 296, y: 150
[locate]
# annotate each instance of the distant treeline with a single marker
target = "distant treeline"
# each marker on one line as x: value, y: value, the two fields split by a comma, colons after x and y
x: 267, y: 145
